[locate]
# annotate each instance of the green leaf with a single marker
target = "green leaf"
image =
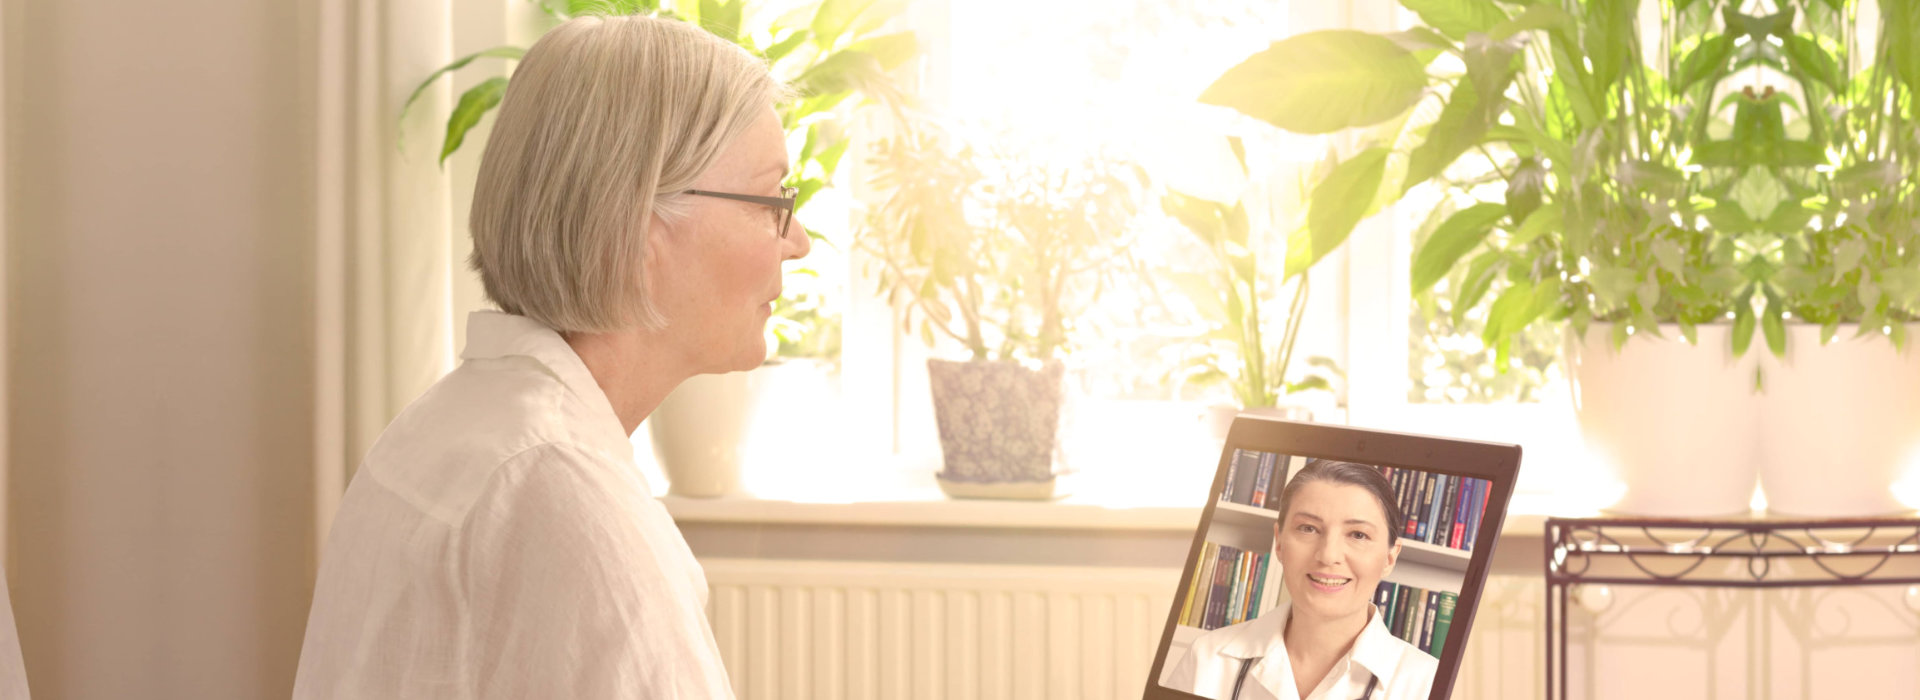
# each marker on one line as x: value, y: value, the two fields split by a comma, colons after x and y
x: 782, y: 48
x: 1742, y: 326
x: 1546, y: 219
x: 1339, y: 202
x: 1704, y: 60
x: 1808, y: 58
x: 1611, y: 40
x: 473, y: 105
x: 1902, y: 19
x: 722, y: 18
x: 1458, y: 235
x: 833, y: 18
x: 1535, y: 18
x: 1480, y: 275
x: 1460, y: 125
x: 507, y: 52
x: 1321, y: 82
x: 1457, y: 18
x: 1775, y: 328
x: 891, y: 50
x: 1671, y: 257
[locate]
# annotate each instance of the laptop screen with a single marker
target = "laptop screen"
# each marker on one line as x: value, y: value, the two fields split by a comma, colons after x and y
x: 1334, y: 562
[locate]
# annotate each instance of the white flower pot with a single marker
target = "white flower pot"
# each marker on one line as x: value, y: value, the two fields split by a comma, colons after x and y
x: 698, y: 432
x: 1839, y: 424
x: 1679, y: 424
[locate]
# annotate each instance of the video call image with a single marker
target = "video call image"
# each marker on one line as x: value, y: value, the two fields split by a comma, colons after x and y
x: 1309, y: 559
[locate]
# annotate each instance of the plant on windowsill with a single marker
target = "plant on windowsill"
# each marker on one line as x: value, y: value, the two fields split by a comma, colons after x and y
x: 836, y: 55
x: 1227, y: 295
x: 1591, y: 189
x: 995, y: 254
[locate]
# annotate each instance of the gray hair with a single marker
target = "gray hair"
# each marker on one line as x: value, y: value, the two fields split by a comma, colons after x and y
x: 1351, y: 474
x: 604, y: 123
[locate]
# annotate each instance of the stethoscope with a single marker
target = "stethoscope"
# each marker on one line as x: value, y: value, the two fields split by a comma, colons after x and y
x: 1247, y: 664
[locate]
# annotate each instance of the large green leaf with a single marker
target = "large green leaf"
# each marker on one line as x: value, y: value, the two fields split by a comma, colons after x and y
x: 508, y: 52
x: 1902, y: 19
x: 1457, y: 236
x: 1340, y: 201
x: 722, y: 18
x: 1461, y: 124
x: 1480, y: 275
x: 1321, y: 82
x: 473, y: 104
x: 1457, y: 18
x: 1812, y: 61
x: 1547, y: 219
x: 1535, y: 18
x: 1704, y: 60
x: 834, y: 17
x: 1611, y: 39
x: 891, y: 50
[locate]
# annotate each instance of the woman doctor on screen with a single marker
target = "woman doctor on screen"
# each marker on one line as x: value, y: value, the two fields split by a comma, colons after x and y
x: 1329, y: 643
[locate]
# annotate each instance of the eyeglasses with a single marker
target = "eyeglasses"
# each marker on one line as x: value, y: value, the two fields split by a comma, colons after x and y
x: 784, y: 203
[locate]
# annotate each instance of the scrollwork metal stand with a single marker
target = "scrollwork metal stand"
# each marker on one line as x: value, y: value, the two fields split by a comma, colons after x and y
x: 1721, y: 553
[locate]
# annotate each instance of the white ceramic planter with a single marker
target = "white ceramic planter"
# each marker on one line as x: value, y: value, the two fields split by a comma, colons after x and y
x: 1678, y: 423
x: 1839, y: 424
x: 698, y: 432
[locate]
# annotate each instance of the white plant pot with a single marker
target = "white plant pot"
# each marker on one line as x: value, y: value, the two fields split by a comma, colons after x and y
x: 1839, y: 424
x: 698, y: 432
x: 1677, y: 423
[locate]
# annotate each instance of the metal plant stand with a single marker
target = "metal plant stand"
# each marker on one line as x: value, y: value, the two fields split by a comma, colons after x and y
x: 1721, y: 553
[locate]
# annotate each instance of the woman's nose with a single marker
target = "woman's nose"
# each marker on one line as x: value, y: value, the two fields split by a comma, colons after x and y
x: 797, y: 243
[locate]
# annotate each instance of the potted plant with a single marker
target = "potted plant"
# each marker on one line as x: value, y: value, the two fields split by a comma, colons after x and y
x: 1635, y: 201
x: 1227, y: 294
x: 836, y: 55
x: 994, y: 254
x: 1840, y: 418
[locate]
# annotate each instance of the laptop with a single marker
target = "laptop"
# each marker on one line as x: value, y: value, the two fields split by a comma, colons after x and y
x: 1389, y: 537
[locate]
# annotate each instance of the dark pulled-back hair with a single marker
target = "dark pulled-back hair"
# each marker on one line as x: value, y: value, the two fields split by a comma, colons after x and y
x: 1352, y: 474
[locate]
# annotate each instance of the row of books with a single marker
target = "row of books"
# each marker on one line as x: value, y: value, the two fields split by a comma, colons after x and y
x: 1229, y: 586
x: 1254, y: 479
x: 1440, y: 509
x: 1418, y: 616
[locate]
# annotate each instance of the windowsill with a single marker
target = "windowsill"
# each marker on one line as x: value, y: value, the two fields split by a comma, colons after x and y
x: 911, y: 498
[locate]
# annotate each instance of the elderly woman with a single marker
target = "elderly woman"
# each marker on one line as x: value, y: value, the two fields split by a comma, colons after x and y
x: 1334, y: 544
x: 498, y: 541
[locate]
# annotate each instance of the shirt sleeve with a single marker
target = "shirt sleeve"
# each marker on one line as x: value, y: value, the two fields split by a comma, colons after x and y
x: 572, y: 596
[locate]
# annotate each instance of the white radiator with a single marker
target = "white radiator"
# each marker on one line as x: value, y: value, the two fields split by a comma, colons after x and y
x: 866, y: 630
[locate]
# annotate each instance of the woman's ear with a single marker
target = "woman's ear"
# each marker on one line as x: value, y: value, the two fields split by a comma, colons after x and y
x: 1393, y: 555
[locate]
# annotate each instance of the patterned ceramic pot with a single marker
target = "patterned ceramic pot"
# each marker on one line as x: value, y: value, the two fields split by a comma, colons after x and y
x: 999, y: 423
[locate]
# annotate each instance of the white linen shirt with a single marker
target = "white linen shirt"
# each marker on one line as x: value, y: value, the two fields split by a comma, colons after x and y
x: 499, y: 542
x: 1212, y: 664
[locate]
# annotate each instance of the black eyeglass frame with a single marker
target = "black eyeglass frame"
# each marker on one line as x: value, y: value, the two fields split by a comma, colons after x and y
x: 785, y: 203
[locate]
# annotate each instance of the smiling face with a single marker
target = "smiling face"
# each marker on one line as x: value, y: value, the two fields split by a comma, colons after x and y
x: 715, y: 273
x: 1333, y: 548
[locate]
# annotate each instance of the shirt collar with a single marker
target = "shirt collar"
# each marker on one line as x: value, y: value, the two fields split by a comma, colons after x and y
x: 1376, y: 649
x: 495, y: 334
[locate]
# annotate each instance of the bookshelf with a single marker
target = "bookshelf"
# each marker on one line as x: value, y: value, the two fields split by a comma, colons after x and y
x: 1421, y: 565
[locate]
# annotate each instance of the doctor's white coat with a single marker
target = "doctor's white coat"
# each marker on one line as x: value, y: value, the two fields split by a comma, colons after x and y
x: 1212, y: 664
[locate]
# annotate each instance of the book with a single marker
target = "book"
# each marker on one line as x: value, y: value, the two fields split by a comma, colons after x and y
x: 1422, y: 505
x: 1433, y: 511
x: 1270, y: 599
x: 1382, y: 594
x: 1408, y: 501
x: 1443, y: 530
x: 1402, y: 607
x: 1460, y: 514
x: 1278, y: 483
x: 1261, y: 480
x: 1193, y: 585
x: 1443, y: 622
x: 1401, y: 491
x: 1260, y: 584
x: 1217, y: 600
x: 1244, y: 477
x: 1427, y: 614
x: 1250, y: 587
x: 1478, y: 508
x: 1203, y: 584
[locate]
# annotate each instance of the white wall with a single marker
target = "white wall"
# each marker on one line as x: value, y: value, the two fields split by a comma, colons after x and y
x: 159, y: 224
